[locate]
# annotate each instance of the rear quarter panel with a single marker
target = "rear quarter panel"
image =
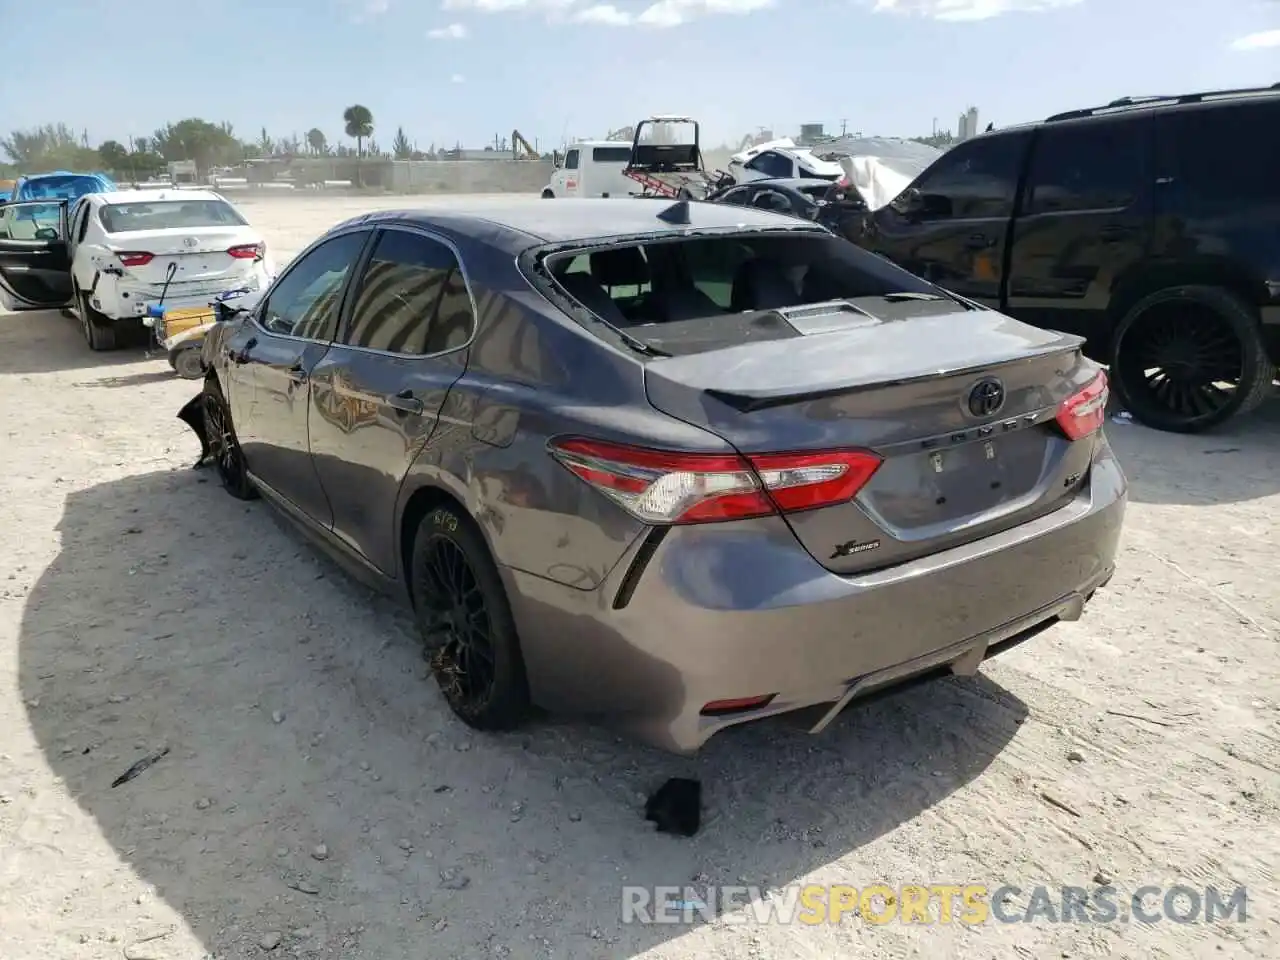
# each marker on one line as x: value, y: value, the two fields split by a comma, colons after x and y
x: 531, y: 376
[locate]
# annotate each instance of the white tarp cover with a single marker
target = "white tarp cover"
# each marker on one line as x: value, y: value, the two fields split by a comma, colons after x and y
x: 880, y: 167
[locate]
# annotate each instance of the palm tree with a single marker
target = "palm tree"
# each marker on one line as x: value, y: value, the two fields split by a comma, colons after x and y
x: 359, y: 124
x: 317, y: 142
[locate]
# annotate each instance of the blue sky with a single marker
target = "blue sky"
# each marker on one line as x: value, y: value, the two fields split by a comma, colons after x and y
x: 450, y: 70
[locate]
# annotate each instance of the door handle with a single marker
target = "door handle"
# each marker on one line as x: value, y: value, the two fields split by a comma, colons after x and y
x: 977, y: 241
x: 297, y: 373
x: 242, y: 355
x: 1113, y: 234
x: 405, y: 402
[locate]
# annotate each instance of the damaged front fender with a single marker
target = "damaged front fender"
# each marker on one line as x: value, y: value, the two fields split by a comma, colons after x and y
x: 192, y: 414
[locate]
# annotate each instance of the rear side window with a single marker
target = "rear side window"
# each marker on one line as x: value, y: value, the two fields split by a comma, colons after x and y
x: 412, y: 298
x: 611, y: 154
x: 1220, y: 153
x: 977, y: 179
x: 169, y: 215
x: 1088, y: 166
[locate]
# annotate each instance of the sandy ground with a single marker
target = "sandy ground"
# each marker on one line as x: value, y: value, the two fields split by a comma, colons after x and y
x: 319, y: 801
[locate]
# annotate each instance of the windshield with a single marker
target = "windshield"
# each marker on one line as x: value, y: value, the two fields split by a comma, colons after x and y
x: 169, y: 215
x: 644, y: 288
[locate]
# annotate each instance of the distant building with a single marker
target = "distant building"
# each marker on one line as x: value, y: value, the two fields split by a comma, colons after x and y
x: 810, y: 133
x: 968, y: 126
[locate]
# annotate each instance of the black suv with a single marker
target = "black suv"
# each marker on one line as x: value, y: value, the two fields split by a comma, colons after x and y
x: 1150, y: 226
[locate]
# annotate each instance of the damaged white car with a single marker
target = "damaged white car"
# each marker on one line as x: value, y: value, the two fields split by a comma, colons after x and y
x: 119, y: 258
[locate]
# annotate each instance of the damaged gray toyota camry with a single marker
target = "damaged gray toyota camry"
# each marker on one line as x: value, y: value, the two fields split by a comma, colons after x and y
x: 670, y: 466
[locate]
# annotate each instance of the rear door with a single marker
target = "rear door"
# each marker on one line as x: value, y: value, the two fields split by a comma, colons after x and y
x: 951, y: 225
x: 270, y: 361
x: 1086, y: 217
x: 604, y: 176
x: 376, y: 396
x: 35, y: 266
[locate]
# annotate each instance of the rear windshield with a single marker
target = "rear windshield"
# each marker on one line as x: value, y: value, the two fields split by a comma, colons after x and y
x: 611, y: 154
x: 710, y: 282
x: 169, y: 215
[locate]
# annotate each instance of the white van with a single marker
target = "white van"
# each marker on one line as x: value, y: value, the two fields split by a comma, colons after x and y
x: 593, y: 168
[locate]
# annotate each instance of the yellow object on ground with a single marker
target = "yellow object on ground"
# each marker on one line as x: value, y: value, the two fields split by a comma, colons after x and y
x: 180, y: 321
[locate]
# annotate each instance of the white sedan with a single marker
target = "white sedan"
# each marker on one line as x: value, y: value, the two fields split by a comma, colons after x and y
x: 117, y: 258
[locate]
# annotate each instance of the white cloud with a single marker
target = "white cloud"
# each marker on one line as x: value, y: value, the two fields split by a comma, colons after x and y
x: 506, y: 6
x: 362, y: 10
x: 662, y: 14
x: 1258, y: 41
x: 605, y: 14
x: 454, y: 31
x: 958, y: 10
x: 457, y: 78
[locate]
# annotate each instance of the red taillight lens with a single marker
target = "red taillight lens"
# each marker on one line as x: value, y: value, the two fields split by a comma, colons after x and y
x: 1085, y: 412
x: 248, y: 251
x: 662, y: 487
x: 135, y: 258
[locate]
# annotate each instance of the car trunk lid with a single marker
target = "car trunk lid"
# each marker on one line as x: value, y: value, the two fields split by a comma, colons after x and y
x: 958, y: 464
x: 191, y: 260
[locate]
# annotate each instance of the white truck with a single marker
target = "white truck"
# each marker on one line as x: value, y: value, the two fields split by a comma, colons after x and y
x: 592, y: 168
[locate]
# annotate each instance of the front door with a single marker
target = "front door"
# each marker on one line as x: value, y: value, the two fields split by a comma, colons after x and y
x: 35, y: 264
x: 270, y: 361
x: 376, y: 395
x: 571, y: 185
x: 951, y: 225
x: 1086, y: 219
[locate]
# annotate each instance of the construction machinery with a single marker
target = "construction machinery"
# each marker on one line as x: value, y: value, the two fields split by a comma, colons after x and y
x: 666, y: 160
x: 522, y: 149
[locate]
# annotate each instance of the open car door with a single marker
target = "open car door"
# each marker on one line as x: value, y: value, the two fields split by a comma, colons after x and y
x: 35, y: 263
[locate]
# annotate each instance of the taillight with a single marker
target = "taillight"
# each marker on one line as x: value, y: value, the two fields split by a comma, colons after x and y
x: 1084, y: 412
x: 248, y: 251
x: 665, y: 487
x: 134, y: 258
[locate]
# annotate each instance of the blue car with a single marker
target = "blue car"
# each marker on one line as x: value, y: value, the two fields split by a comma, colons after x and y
x: 60, y: 185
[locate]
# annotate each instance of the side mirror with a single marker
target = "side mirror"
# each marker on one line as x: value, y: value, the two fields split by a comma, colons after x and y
x: 910, y: 202
x: 46, y: 233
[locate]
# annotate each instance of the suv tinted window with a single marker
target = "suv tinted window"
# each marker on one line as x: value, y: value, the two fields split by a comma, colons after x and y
x: 1088, y: 166
x: 1222, y: 152
x: 413, y: 298
x: 306, y: 300
x: 976, y: 179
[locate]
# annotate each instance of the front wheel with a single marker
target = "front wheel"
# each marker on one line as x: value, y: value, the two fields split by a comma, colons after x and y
x: 186, y: 362
x: 1187, y: 359
x: 224, y: 448
x: 465, y: 621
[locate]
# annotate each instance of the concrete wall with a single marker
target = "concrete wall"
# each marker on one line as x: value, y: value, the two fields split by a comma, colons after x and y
x: 466, y: 176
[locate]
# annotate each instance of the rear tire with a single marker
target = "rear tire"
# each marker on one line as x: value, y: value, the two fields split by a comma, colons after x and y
x: 224, y: 447
x: 1187, y: 359
x: 98, y: 331
x: 468, y: 633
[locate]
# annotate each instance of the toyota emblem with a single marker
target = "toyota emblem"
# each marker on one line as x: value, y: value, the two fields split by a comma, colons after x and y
x: 190, y: 241
x: 986, y: 398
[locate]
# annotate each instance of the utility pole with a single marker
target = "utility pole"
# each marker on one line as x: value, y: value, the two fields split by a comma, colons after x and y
x: 844, y: 127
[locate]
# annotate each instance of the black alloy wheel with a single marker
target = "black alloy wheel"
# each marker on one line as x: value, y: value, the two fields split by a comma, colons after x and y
x: 224, y: 448
x: 1190, y: 358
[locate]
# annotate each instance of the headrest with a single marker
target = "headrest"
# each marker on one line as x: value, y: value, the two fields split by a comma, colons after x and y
x: 620, y: 267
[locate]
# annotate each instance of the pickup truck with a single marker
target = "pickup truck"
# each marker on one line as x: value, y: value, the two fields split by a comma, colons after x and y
x: 1149, y: 226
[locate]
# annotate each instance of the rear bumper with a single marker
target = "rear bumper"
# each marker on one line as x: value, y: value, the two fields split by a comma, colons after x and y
x: 739, y: 610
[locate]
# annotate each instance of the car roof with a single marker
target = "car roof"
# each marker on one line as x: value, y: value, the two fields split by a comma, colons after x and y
x: 155, y: 195
x: 520, y: 223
